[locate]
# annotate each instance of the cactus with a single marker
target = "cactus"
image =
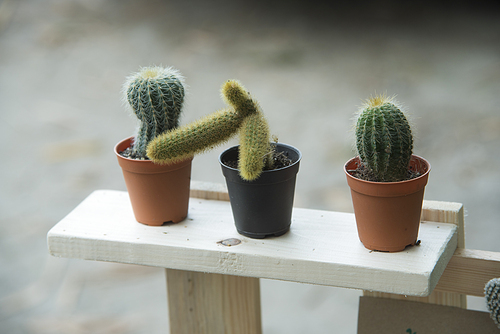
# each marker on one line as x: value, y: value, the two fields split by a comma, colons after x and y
x: 206, y: 133
x: 492, y: 295
x: 383, y: 139
x: 255, y: 151
x: 156, y: 96
x: 244, y: 115
x: 194, y: 138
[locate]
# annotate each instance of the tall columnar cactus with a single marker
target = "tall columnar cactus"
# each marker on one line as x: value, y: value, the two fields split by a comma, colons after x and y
x: 383, y: 139
x: 206, y: 133
x: 492, y: 295
x: 156, y: 96
x: 255, y: 151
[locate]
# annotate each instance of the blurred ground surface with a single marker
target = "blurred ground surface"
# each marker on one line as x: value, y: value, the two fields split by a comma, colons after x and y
x: 62, y: 64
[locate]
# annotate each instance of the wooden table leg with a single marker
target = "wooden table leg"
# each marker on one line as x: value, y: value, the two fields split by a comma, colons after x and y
x: 213, y: 303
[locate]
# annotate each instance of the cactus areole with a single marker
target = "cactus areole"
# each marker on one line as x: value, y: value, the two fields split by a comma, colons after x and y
x: 384, y: 140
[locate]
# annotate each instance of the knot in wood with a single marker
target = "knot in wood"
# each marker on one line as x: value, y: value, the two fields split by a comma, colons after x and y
x: 230, y: 242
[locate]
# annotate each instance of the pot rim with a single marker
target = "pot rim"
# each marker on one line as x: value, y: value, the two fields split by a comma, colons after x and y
x: 382, y: 182
x: 265, y: 171
x: 388, y: 189
x: 148, y: 164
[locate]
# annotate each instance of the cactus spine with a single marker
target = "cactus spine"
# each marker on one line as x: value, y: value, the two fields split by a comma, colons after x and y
x: 492, y: 295
x: 383, y: 139
x: 206, y: 133
x: 156, y: 96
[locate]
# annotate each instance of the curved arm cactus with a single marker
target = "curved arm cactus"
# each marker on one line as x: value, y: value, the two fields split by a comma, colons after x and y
x: 383, y: 139
x: 156, y: 96
x: 255, y: 149
x: 206, y: 133
x: 202, y: 135
x: 492, y: 295
x: 194, y: 138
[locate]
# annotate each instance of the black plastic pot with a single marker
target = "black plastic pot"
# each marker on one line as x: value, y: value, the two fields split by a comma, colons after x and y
x: 262, y: 207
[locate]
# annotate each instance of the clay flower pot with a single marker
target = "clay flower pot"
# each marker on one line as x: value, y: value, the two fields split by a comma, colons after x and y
x: 388, y: 213
x: 262, y: 207
x: 159, y: 193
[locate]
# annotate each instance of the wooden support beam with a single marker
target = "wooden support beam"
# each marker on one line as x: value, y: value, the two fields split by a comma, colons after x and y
x: 468, y: 271
x: 213, y: 303
x: 208, y: 190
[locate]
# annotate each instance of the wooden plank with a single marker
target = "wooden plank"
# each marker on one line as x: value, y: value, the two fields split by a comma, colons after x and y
x: 321, y: 248
x: 446, y: 212
x: 213, y: 303
x: 466, y: 273
x: 209, y: 190
x: 469, y: 271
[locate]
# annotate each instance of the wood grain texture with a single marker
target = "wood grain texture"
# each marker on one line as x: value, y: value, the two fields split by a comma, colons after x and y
x: 209, y: 190
x: 466, y: 273
x: 446, y: 212
x: 469, y: 271
x: 321, y: 248
x: 213, y: 303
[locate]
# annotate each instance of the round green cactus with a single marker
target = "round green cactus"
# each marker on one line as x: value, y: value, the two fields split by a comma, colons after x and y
x: 492, y: 295
x: 156, y: 95
x: 383, y: 139
x: 206, y: 133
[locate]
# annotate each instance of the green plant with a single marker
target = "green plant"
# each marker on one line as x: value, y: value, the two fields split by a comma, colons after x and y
x: 244, y: 115
x: 255, y: 151
x: 492, y: 295
x: 156, y: 95
x: 383, y: 139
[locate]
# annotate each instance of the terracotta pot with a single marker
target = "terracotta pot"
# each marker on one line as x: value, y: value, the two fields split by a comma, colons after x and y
x: 159, y: 193
x: 262, y: 207
x: 388, y: 213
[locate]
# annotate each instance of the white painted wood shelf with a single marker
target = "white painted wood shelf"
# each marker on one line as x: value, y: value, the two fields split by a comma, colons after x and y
x: 322, y: 247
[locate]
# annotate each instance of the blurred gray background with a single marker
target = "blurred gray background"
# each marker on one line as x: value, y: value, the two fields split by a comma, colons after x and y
x: 62, y: 64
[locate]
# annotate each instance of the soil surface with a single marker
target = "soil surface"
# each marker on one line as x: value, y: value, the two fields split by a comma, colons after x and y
x: 130, y: 154
x: 363, y: 173
x: 280, y: 160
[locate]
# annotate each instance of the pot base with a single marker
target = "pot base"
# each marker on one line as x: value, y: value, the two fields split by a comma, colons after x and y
x: 387, y: 249
x: 263, y: 235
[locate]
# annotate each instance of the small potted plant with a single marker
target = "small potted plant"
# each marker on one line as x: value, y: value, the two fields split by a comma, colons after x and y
x: 158, y: 193
x: 387, y: 181
x: 260, y: 175
x: 492, y: 295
